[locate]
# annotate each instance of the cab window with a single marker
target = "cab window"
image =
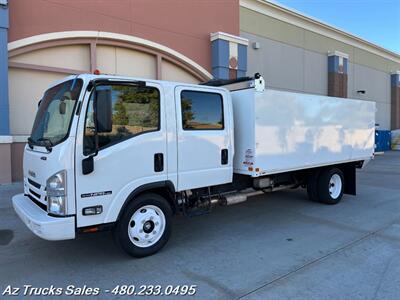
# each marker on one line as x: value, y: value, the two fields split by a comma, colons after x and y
x: 136, y: 110
x: 202, y: 110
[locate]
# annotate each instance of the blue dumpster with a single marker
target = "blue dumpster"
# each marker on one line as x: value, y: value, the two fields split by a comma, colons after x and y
x: 382, y: 140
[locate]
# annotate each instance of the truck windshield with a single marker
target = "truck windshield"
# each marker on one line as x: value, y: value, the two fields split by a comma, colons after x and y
x: 55, y: 112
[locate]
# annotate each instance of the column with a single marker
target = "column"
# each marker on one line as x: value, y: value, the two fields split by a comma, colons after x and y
x: 337, y: 74
x: 5, y: 138
x: 395, y: 100
x: 228, y: 55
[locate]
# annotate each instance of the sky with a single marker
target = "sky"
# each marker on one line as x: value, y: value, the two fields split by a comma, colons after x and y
x: 377, y: 21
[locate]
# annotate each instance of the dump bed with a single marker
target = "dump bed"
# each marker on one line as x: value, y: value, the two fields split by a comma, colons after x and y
x: 278, y: 131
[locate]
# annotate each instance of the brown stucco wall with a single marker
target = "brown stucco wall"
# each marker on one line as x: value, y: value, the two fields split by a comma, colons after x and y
x: 395, y: 109
x: 184, y: 26
x: 17, y: 151
x: 337, y: 84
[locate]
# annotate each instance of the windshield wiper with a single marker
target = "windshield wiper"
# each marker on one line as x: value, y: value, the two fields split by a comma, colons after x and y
x: 47, y: 143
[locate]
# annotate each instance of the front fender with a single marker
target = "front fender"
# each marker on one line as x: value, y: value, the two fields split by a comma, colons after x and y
x: 130, y: 191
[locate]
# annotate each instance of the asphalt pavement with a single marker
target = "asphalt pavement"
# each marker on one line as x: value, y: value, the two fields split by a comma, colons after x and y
x: 274, y: 246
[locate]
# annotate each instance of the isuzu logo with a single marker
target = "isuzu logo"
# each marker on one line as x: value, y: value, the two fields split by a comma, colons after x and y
x: 31, y: 173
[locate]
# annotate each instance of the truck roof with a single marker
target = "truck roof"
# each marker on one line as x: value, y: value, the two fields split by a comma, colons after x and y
x: 88, y: 77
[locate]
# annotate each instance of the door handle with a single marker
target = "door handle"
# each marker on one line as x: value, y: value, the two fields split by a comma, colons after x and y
x: 224, y: 156
x: 158, y: 162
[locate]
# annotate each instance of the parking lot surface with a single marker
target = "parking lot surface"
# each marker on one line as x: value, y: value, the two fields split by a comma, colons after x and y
x: 274, y: 246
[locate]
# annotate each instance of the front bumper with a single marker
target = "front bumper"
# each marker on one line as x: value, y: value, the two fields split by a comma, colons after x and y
x: 41, y: 224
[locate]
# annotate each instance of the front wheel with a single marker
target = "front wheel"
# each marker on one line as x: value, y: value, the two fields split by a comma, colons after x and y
x: 330, y: 186
x: 145, y: 226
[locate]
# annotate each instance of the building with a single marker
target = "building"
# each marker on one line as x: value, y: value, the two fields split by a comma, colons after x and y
x: 191, y: 41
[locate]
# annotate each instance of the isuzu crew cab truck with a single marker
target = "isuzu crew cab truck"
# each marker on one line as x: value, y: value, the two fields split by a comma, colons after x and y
x: 126, y: 154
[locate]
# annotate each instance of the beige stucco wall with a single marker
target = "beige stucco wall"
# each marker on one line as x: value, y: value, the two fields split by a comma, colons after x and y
x: 172, y: 72
x: 75, y: 57
x: 26, y: 88
x: 122, y: 61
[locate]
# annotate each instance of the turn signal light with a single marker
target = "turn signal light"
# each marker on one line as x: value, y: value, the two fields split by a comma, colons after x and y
x: 91, y: 229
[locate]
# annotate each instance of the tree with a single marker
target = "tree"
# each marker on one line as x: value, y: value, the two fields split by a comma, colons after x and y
x: 120, y: 117
x: 187, y: 113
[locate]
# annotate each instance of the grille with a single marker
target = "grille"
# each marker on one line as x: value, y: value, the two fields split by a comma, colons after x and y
x: 36, y: 193
x: 35, y: 184
x: 37, y: 196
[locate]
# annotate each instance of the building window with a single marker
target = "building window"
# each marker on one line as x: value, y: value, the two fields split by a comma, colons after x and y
x: 136, y: 110
x: 202, y: 111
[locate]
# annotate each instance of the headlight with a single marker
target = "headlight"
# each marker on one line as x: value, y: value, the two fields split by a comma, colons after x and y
x: 56, y: 189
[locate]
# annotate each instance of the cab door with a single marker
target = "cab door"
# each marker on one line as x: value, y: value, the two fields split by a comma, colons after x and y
x: 204, y: 137
x: 129, y: 156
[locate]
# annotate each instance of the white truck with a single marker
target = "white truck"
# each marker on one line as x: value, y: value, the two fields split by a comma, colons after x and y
x: 126, y: 154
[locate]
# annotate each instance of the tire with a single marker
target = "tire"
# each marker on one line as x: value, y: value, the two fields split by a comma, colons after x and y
x: 312, y: 186
x: 330, y: 186
x: 145, y: 225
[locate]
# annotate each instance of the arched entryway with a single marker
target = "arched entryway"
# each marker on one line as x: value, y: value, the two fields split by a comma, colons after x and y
x: 37, y: 61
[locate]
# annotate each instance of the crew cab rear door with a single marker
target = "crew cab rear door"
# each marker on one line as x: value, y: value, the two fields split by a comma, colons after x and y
x: 204, y: 136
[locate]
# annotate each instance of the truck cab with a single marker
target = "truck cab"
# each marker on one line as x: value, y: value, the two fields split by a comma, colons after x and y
x: 99, y: 142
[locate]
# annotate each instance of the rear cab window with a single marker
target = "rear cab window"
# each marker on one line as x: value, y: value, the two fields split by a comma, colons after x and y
x: 202, y: 110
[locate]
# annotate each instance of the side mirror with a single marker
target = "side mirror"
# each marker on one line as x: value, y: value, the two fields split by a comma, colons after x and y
x: 103, y: 110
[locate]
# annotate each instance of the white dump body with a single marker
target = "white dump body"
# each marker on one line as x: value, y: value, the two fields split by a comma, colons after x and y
x: 277, y: 131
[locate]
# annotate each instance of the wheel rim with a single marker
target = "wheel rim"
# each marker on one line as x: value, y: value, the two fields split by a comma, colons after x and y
x: 335, y: 186
x: 146, y: 226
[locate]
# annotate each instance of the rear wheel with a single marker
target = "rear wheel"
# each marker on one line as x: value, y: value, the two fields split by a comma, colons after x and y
x: 145, y: 226
x: 330, y: 186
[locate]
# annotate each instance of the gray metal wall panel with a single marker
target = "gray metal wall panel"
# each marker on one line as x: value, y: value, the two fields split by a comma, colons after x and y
x: 383, y: 115
x: 377, y: 88
x: 375, y: 83
x: 295, y: 69
x: 315, y: 73
x: 271, y: 28
x: 287, y: 67
x: 280, y: 64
